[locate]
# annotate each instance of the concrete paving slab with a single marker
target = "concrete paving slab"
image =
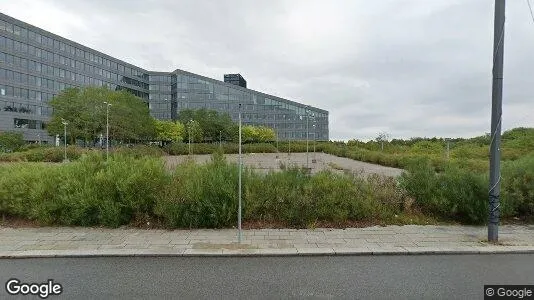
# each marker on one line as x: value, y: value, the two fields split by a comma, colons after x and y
x: 76, y: 241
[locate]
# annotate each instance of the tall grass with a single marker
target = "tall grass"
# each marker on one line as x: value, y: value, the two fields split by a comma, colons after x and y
x: 201, y: 195
x: 92, y: 192
x: 86, y: 192
x: 459, y: 194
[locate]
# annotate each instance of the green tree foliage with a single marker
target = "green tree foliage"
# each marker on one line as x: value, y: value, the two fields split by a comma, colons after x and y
x: 85, y: 112
x: 257, y: 134
x: 214, y: 125
x: 168, y: 131
x: 265, y: 134
x: 427, y: 147
x: 248, y: 133
x: 10, y: 141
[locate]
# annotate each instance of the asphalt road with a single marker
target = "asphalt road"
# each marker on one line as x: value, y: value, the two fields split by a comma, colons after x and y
x: 315, y: 277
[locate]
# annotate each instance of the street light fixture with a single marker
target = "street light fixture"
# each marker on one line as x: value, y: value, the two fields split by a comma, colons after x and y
x: 65, y: 123
x: 107, y: 129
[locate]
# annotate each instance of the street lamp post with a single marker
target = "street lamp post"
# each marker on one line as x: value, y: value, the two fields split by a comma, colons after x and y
x: 307, y: 137
x: 65, y: 123
x: 239, y: 235
x: 496, y: 122
x: 314, y: 140
x: 190, y: 124
x: 107, y: 128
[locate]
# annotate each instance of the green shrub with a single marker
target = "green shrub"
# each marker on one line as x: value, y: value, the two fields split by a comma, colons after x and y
x: 258, y: 148
x: 517, y: 188
x: 454, y: 193
x: 138, y: 151
x: 293, y: 197
x: 11, y: 141
x: 201, y: 195
x: 84, y: 192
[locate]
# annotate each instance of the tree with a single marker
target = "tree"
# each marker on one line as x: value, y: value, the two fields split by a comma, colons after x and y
x: 168, y: 131
x: 265, y: 134
x: 194, y: 131
x: 85, y: 112
x: 257, y: 134
x: 213, y: 124
x: 11, y: 141
x: 382, y: 137
x: 248, y: 134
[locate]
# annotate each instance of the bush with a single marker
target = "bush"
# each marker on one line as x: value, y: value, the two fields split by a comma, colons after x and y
x: 517, y: 189
x: 85, y: 192
x: 10, y: 141
x: 45, y: 154
x: 138, y: 151
x: 297, y: 199
x: 454, y: 194
x: 201, y: 195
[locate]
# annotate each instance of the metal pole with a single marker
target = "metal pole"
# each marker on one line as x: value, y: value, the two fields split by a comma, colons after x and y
x: 276, y: 130
x: 239, y: 235
x: 107, y: 130
x: 289, y: 146
x: 220, y: 138
x: 448, y: 148
x: 65, y: 137
x: 189, y: 127
x: 496, y: 121
x: 314, y: 139
x: 307, y: 138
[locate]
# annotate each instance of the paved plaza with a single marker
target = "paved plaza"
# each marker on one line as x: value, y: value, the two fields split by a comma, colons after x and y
x: 410, y: 239
x: 265, y: 162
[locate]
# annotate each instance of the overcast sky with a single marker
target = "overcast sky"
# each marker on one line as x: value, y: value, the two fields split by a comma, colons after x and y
x: 407, y: 67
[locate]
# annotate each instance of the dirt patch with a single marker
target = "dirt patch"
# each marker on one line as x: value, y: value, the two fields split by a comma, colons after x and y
x: 16, y: 222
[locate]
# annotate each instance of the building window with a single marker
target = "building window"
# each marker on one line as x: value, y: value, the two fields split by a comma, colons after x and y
x: 25, y: 123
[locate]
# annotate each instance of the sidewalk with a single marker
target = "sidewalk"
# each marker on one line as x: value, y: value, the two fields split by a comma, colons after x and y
x: 81, y: 242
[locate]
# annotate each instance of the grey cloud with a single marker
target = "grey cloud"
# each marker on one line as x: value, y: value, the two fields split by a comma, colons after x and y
x: 409, y: 67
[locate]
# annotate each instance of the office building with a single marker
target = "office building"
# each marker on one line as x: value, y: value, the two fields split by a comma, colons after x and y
x: 35, y: 65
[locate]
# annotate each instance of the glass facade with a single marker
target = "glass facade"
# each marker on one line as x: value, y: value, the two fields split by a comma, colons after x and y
x: 289, y: 119
x: 35, y: 65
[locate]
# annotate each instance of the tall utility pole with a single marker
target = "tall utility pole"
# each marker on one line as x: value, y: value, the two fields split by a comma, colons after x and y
x: 107, y: 129
x: 307, y: 138
x: 496, y: 121
x: 65, y: 123
x: 189, y: 127
x: 276, y: 130
x: 239, y: 234
x: 314, y: 140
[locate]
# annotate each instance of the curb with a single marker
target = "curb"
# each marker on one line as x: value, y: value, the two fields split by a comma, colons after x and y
x: 233, y: 253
